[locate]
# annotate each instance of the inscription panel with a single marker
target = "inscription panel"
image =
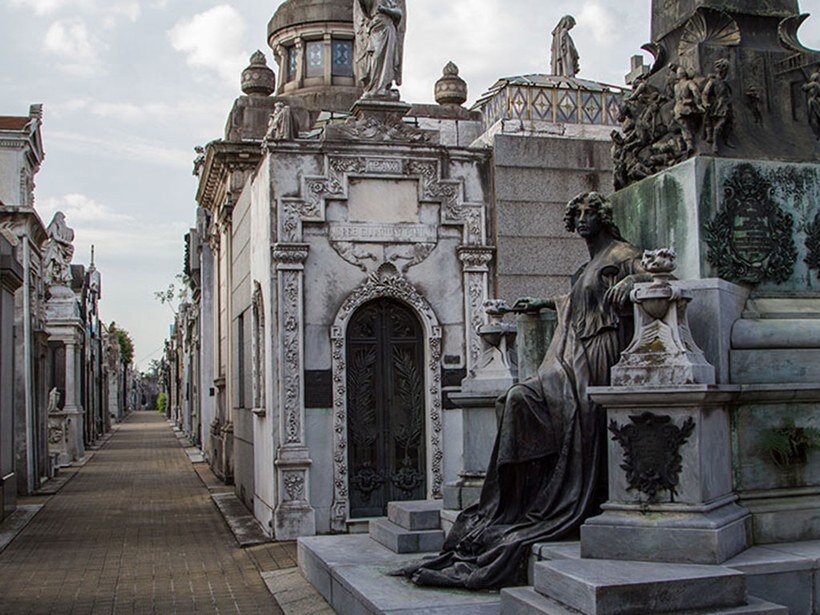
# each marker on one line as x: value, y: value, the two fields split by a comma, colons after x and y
x: 383, y: 233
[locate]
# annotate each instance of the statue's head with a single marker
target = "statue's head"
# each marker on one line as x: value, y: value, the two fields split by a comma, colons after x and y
x: 722, y: 67
x: 590, y: 214
x: 681, y: 72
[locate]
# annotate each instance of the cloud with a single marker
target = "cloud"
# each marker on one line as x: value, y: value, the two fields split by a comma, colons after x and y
x: 71, y: 41
x: 600, y: 20
x: 48, y: 7
x: 110, y: 10
x: 80, y: 208
x: 119, y: 146
x: 213, y: 40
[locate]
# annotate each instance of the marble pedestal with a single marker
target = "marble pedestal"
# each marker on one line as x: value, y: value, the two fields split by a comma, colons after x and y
x: 670, y: 478
x: 479, y: 430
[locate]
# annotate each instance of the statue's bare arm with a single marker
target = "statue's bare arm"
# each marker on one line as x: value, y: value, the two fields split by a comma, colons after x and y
x: 529, y: 305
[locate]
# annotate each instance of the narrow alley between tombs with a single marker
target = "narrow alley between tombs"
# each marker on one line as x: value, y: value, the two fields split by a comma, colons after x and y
x: 134, y: 531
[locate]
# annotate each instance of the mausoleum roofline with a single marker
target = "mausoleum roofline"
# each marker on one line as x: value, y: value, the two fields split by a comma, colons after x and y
x: 304, y: 12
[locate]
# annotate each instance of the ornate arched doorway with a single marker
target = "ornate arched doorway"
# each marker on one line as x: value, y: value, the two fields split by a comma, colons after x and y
x: 386, y: 403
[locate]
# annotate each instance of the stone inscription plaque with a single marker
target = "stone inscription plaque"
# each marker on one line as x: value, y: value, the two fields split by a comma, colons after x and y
x: 383, y: 233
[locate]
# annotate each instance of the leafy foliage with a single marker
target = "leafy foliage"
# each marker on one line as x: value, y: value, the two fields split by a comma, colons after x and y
x: 790, y: 444
x: 162, y: 402
x: 126, y: 343
x: 175, y: 294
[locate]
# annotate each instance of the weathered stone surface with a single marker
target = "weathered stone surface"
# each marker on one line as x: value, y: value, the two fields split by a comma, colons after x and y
x: 351, y: 573
x: 602, y: 587
x: 415, y: 516
x: 527, y: 601
x: 677, y: 207
x: 401, y: 540
x: 668, y: 536
x: 244, y: 527
x: 779, y: 577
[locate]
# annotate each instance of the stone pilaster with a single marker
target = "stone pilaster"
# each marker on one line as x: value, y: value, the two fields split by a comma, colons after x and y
x: 294, y: 516
x: 475, y: 262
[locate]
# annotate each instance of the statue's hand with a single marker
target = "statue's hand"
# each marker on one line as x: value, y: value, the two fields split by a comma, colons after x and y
x: 527, y: 305
x: 618, y: 296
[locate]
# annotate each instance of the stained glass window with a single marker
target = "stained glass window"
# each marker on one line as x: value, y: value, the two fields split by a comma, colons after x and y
x: 293, y: 59
x: 342, y: 58
x: 315, y: 59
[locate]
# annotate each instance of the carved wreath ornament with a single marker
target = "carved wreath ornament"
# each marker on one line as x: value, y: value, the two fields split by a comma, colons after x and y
x: 752, y: 239
x: 652, y: 459
x: 813, y: 244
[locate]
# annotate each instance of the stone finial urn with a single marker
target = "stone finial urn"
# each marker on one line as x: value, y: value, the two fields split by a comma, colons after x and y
x: 663, y: 352
x: 451, y: 89
x: 258, y: 79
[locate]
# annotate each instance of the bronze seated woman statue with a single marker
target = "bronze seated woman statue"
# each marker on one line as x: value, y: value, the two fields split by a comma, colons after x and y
x: 547, y: 473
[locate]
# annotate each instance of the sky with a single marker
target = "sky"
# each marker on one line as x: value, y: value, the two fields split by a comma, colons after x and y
x: 131, y: 86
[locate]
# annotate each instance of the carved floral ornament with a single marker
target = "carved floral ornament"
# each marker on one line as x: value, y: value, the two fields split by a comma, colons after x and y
x: 387, y: 282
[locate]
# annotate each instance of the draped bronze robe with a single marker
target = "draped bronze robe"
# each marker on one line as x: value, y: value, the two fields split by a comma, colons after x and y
x: 547, y: 473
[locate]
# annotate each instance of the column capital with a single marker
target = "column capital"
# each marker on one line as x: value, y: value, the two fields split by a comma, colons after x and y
x: 290, y: 255
x: 476, y: 258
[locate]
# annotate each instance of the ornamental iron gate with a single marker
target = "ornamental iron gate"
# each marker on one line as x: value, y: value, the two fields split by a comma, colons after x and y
x: 385, y: 408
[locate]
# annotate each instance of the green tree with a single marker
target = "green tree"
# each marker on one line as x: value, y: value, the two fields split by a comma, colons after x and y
x: 126, y: 343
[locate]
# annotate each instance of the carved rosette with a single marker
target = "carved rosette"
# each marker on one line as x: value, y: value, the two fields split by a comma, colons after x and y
x: 475, y: 263
x: 387, y: 282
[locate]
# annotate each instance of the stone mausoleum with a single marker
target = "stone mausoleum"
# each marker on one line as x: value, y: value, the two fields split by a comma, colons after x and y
x: 341, y: 261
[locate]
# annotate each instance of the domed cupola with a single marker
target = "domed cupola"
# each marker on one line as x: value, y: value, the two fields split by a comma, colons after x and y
x: 312, y: 41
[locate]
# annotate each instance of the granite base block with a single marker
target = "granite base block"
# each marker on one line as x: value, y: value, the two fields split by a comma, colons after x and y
x: 416, y: 516
x: 351, y: 573
x: 527, y: 601
x: 458, y: 496
x: 703, y: 538
x: 401, y: 540
x: 608, y: 587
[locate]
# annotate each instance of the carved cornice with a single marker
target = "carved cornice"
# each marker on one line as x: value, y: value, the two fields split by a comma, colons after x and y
x: 221, y: 160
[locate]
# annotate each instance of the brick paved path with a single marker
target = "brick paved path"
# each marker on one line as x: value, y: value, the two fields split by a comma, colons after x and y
x: 134, y: 532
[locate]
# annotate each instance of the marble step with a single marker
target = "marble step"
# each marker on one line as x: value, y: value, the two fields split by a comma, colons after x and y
x: 416, y: 516
x: 402, y: 540
x: 527, y: 601
x: 609, y: 587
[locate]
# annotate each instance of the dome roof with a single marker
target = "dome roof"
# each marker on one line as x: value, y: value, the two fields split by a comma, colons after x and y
x: 299, y: 12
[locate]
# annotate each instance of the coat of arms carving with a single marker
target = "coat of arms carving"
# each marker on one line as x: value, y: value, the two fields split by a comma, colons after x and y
x: 652, y: 459
x: 752, y: 239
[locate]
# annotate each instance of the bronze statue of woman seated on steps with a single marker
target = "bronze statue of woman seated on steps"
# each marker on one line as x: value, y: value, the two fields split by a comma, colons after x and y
x: 547, y: 473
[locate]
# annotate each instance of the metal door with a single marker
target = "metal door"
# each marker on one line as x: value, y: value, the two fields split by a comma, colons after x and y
x: 385, y: 408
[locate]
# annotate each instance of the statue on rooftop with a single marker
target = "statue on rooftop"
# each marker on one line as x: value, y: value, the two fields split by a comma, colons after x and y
x: 59, y: 252
x: 280, y: 124
x: 547, y: 466
x: 380, y: 29
x: 564, y: 54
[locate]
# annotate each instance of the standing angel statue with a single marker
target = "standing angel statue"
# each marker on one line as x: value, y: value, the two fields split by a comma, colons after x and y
x: 380, y: 28
x: 59, y: 251
x: 565, y: 59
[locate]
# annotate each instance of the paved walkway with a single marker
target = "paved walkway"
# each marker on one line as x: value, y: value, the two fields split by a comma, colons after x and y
x: 134, y: 532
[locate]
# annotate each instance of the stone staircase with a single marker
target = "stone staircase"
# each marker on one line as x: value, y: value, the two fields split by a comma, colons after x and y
x: 410, y: 527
